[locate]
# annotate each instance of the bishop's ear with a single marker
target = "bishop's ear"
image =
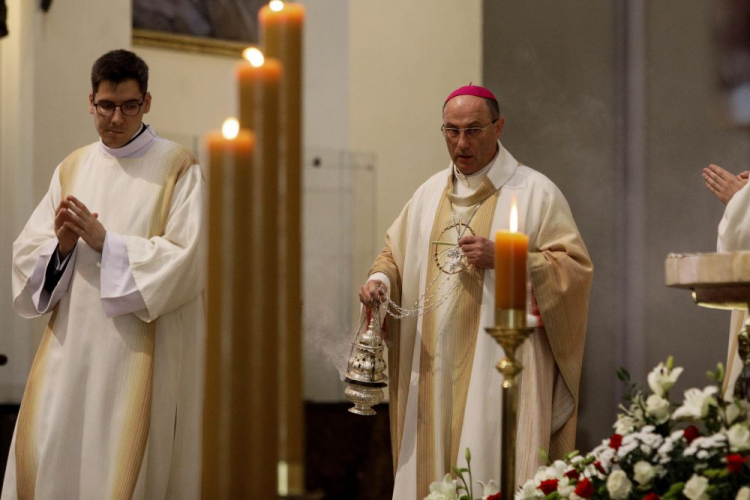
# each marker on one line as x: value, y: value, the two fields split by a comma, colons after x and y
x: 91, y: 103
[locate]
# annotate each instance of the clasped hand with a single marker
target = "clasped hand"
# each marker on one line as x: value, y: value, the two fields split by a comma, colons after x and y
x: 723, y: 184
x: 478, y: 250
x: 73, y: 220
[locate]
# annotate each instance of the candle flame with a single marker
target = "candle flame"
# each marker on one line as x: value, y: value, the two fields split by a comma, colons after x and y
x: 254, y: 56
x: 230, y: 129
x: 514, y: 218
x: 276, y: 5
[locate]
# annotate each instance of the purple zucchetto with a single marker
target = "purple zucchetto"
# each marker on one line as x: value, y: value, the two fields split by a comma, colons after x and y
x: 471, y: 90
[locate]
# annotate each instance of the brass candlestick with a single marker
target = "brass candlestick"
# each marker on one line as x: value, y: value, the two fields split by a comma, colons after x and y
x: 510, y: 331
x: 365, y: 374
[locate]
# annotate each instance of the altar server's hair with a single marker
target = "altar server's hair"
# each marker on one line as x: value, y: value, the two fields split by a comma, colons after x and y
x: 118, y: 66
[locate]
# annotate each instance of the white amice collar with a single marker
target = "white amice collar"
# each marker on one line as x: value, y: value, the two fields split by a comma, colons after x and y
x: 134, y: 149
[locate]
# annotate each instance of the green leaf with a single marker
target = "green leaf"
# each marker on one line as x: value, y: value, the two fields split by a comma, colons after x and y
x: 457, y: 471
x: 623, y: 374
x: 673, y: 491
x: 544, y: 456
x: 570, y: 455
x: 464, y: 497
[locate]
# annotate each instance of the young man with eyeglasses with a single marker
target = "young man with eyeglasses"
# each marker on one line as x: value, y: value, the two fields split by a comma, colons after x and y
x: 115, y: 250
x: 438, y: 263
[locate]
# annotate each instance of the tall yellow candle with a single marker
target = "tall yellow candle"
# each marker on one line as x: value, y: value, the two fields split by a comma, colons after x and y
x: 282, y: 26
x: 239, y: 424
x: 259, y: 82
x: 511, y: 251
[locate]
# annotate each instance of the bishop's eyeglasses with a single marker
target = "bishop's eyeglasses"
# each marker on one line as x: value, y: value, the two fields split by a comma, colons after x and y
x: 469, y: 132
x: 106, y: 108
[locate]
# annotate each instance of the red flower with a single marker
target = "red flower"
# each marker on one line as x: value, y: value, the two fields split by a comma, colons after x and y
x: 599, y: 467
x: 615, y: 441
x: 573, y: 474
x: 690, y: 433
x: 735, y: 463
x: 652, y: 496
x: 496, y: 496
x: 584, y: 488
x: 548, y: 486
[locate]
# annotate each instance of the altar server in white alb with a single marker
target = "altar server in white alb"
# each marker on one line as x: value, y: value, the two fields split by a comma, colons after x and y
x: 734, y: 236
x: 115, y: 251
x: 445, y: 392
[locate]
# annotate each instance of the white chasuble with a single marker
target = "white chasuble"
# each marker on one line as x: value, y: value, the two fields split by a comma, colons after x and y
x: 113, y: 405
x: 734, y: 236
x: 445, y: 392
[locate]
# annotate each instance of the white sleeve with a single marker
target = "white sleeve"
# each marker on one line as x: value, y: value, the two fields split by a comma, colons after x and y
x: 734, y: 229
x: 382, y: 277
x: 43, y: 300
x: 119, y: 292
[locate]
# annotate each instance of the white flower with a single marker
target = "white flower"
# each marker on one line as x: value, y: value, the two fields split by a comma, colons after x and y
x: 625, y: 424
x: 695, y: 488
x: 658, y: 408
x: 733, y: 411
x: 743, y: 494
x: 443, y: 490
x: 554, y: 471
x: 661, y: 379
x: 564, y: 488
x: 696, y: 403
x: 618, y: 485
x: 739, y: 437
x: 643, y: 472
x: 488, y: 489
x: 529, y: 491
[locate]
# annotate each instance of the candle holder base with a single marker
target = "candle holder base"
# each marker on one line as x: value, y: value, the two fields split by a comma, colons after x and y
x: 510, y: 339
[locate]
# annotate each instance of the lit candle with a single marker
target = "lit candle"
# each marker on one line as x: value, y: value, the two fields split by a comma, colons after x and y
x: 240, y: 424
x: 259, y: 81
x: 511, y: 251
x: 282, y: 26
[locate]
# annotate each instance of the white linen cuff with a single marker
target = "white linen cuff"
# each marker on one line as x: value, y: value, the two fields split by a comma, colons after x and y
x: 119, y: 291
x: 43, y: 300
x: 382, y: 277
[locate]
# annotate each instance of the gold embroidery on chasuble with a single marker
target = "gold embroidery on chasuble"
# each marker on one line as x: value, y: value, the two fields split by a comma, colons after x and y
x: 135, y: 403
x: 449, y: 338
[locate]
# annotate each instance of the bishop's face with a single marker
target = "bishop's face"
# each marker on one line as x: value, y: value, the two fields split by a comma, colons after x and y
x: 118, y: 128
x: 471, y: 151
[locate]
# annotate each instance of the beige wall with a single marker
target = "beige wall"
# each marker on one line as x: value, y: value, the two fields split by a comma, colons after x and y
x: 192, y: 93
x: 406, y: 57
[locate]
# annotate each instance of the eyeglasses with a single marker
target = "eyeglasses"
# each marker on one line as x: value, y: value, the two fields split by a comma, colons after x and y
x: 470, y: 132
x: 106, y: 108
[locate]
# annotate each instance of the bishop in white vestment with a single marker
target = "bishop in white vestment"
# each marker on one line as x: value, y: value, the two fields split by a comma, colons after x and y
x: 445, y: 392
x: 734, y: 236
x: 113, y: 404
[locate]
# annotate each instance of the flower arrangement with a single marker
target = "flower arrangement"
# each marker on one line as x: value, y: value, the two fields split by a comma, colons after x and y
x: 697, y: 451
